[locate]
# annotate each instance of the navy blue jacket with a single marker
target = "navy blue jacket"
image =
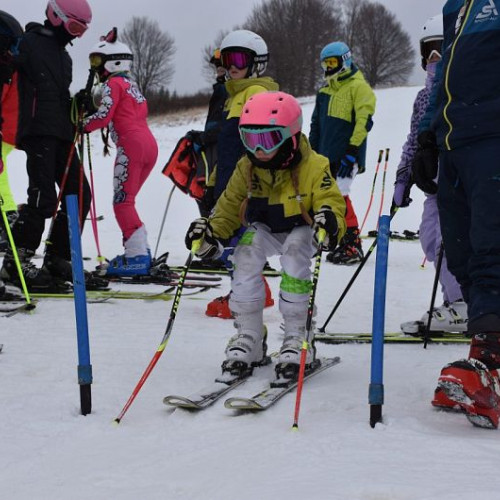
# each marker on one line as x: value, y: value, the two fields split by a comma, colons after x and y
x: 465, y: 105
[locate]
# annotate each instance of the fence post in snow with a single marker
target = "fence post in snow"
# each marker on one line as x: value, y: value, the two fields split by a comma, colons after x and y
x: 80, y: 299
x: 376, y: 388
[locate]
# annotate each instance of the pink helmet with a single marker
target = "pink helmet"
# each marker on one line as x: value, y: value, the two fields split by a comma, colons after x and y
x: 74, y: 15
x: 272, y: 109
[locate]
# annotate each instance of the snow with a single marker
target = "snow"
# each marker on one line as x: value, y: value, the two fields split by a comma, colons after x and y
x: 51, y: 452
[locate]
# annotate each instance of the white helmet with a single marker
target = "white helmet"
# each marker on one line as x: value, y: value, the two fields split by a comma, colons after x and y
x: 249, y: 41
x: 431, y: 38
x: 114, y: 57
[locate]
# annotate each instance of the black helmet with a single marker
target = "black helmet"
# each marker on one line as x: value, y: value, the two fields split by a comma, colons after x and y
x: 10, y: 32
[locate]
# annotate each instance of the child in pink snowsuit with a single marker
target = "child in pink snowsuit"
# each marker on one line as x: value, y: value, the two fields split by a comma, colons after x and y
x: 124, y: 109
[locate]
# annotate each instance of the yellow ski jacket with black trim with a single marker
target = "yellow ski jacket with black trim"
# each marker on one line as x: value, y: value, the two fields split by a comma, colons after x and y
x: 274, y: 201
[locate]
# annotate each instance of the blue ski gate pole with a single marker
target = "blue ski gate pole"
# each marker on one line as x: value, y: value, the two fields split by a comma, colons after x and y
x: 376, y: 388
x: 82, y: 329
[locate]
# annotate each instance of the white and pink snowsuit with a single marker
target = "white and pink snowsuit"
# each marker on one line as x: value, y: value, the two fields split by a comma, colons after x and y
x: 124, y: 109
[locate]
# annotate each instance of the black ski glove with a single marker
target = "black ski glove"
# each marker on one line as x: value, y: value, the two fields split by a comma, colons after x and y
x: 325, y: 219
x: 200, y: 229
x: 85, y: 102
x: 425, y: 162
x: 196, y: 137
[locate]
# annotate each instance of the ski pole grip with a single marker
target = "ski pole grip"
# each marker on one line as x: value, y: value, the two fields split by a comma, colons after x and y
x: 321, y: 235
x: 380, y: 154
x: 196, y: 246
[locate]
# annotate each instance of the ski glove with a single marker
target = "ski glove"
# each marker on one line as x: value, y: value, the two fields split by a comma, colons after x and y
x: 197, y: 138
x: 85, y: 102
x: 200, y: 229
x: 402, y: 187
x: 425, y: 162
x: 325, y: 219
x: 348, y: 161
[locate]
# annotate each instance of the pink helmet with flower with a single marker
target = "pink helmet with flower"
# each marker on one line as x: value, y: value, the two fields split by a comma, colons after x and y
x: 74, y: 15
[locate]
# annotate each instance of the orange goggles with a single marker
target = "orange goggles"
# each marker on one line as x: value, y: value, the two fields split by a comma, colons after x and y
x: 330, y: 63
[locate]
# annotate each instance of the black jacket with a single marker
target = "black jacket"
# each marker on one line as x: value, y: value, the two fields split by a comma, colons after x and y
x: 45, y: 74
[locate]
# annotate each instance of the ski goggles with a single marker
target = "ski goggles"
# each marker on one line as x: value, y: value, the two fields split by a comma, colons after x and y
x: 240, y: 60
x: 267, y: 139
x: 330, y: 63
x: 430, y: 48
x: 73, y: 26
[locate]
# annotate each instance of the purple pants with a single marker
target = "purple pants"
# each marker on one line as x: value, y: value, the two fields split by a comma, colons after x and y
x: 430, y: 239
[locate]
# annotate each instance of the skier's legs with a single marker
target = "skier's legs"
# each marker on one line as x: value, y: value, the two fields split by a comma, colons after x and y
x: 430, y: 239
x: 9, y: 204
x: 295, y: 288
x: 76, y: 182
x: 469, y: 208
x: 250, y: 255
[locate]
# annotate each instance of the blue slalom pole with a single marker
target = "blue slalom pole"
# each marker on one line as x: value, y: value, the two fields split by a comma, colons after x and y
x: 82, y: 329
x: 376, y: 388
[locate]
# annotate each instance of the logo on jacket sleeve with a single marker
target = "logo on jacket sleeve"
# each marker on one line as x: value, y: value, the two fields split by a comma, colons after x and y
x: 326, y: 183
x: 489, y: 12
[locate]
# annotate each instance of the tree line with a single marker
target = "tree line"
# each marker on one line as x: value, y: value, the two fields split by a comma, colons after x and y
x: 295, y: 32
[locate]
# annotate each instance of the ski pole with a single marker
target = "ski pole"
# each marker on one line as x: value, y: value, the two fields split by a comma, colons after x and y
x: 353, y: 279
x: 76, y: 121
x: 386, y: 162
x: 93, y: 210
x: 380, y: 153
x: 376, y: 387
x: 13, y: 247
x: 423, y: 263
x: 80, y: 300
x: 166, y: 336
x: 305, y: 343
x: 433, y: 295
x: 163, y: 220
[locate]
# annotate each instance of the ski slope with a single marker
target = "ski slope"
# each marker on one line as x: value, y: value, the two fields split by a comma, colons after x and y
x: 51, y: 452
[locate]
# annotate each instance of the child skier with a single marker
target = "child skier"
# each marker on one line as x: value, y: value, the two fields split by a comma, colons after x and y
x: 279, y: 190
x: 340, y: 123
x: 10, y: 34
x: 124, y: 109
x: 244, y: 56
x: 452, y: 314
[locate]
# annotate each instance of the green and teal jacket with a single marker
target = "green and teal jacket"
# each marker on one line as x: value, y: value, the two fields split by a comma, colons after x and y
x: 342, y: 116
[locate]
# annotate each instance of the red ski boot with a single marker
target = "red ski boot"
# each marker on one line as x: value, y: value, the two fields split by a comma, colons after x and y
x: 475, y: 389
x: 219, y: 307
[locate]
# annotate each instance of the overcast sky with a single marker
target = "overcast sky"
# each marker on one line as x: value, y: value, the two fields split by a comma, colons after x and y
x: 193, y: 24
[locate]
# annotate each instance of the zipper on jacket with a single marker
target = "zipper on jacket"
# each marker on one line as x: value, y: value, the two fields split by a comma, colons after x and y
x: 447, y: 75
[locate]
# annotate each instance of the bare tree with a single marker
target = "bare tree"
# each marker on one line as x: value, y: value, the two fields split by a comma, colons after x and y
x: 206, y: 54
x: 153, y: 51
x: 380, y: 46
x: 295, y: 32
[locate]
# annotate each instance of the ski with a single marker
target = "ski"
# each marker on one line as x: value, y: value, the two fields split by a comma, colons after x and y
x: 276, y: 390
x: 269, y: 273
x: 110, y: 294
x: 209, y: 281
x: 209, y: 395
x: 391, y: 338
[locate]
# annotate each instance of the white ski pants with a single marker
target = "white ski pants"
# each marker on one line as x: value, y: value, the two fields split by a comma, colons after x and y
x: 256, y: 245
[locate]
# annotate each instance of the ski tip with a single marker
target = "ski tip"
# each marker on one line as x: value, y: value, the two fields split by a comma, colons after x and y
x: 30, y: 307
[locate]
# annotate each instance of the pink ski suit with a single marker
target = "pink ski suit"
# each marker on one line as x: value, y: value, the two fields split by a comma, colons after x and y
x: 124, y: 109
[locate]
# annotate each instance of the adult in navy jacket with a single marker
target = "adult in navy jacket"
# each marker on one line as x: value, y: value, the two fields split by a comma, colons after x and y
x: 461, y: 129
